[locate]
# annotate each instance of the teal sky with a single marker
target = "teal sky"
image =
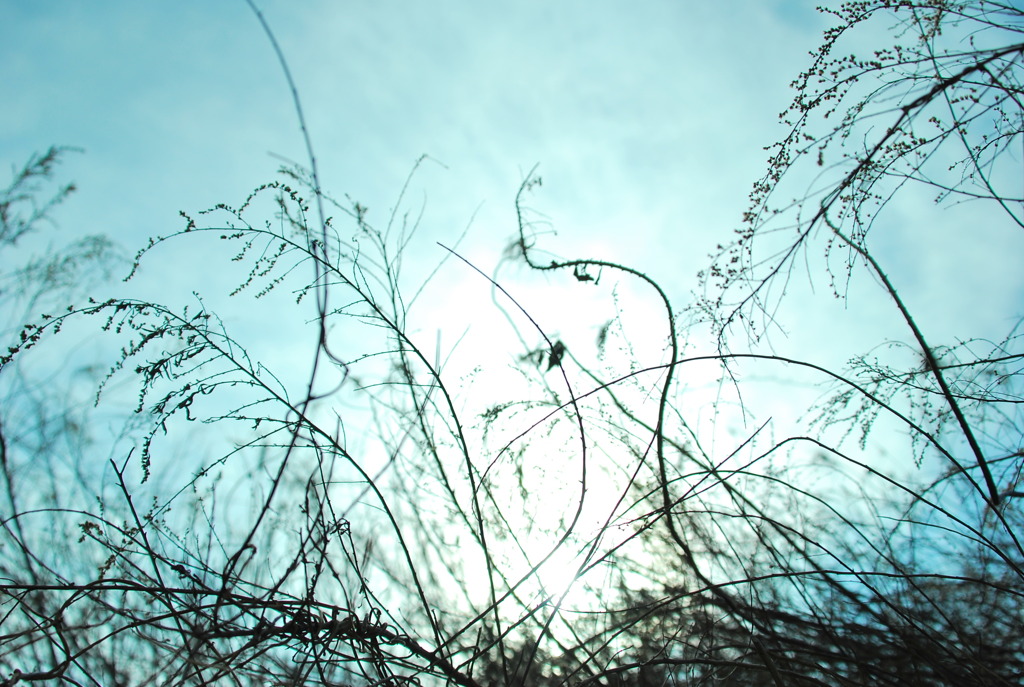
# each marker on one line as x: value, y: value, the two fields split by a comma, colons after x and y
x: 650, y: 116
x: 648, y: 121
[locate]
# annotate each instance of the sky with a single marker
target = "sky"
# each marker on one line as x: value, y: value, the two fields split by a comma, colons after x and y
x: 647, y: 122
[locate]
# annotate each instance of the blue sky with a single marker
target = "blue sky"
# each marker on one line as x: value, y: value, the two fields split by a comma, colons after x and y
x: 651, y: 116
x: 648, y: 121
